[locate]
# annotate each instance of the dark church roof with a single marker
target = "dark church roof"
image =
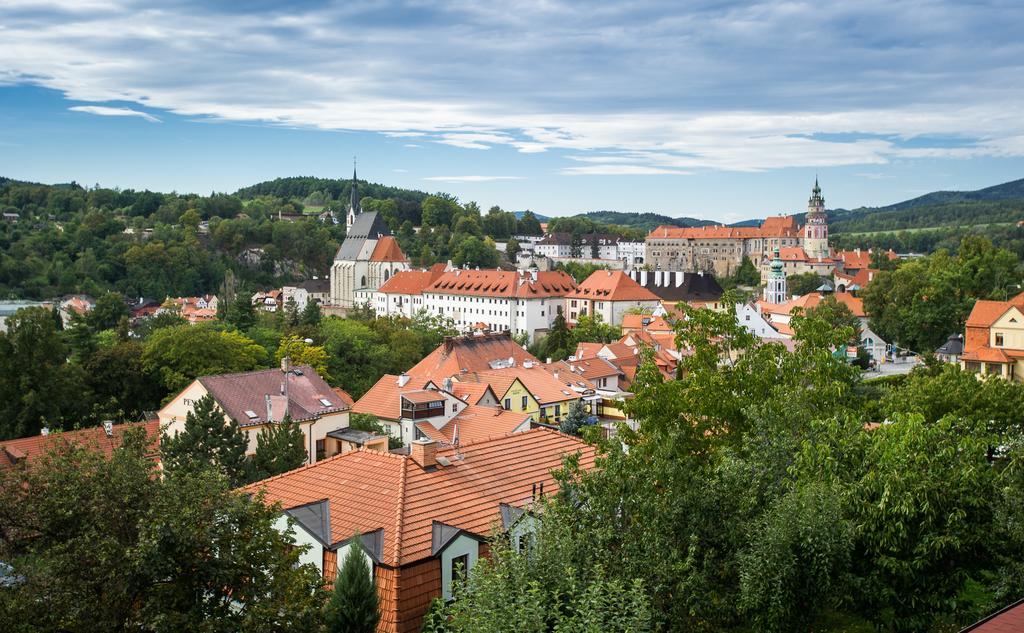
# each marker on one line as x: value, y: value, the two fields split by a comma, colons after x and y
x: 692, y: 286
x: 954, y: 346
x: 368, y: 226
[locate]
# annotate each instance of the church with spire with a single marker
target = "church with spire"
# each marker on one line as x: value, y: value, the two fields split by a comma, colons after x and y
x: 368, y: 256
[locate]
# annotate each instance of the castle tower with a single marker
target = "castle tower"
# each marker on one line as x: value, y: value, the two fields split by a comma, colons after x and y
x: 353, y: 201
x: 775, y: 290
x: 816, y: 226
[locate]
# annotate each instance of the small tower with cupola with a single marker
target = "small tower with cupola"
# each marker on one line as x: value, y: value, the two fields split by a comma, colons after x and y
x: 775, y: 290
x: 816, y: 226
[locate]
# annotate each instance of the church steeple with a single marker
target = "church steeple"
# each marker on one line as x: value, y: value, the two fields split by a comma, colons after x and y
x: 353, y: 199
x: 816, y: 227
x: 775, y: 290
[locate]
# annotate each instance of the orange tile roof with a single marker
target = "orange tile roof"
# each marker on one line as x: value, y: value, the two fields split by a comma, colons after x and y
x: 985, y: 313
x: 471, y: 392
x: 412, y: 282
x: 587, y: 350
x: 368, y: 490
x: 387, y: 250
x: 986, y: 354
x: 470, y: 353
x: 538, y: 380
x: 383, y: 399
x: 422, y: 396
x: 589, y: 369
x: 344, y: 395
x: 28, y: 448
x: 612, y: 285
x: 861, y: 279
x: 793, y: 254
x: 475, y: 423
x: 771, y: 227
x: 858, y: 258
x: 645, y: 322
x: 811, y: 300
x: 503, y: 283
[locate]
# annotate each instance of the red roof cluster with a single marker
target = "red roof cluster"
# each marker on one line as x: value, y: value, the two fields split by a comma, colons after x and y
x: 612, y: 285
x: 503, y: 283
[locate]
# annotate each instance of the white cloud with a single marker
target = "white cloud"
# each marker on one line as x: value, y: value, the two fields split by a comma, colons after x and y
x: 737, y: 87
x: 400, y: 171
x: 470, y: 178
x: 106, y: 111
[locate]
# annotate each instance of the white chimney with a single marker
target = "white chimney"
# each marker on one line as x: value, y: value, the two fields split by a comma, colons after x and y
x: 679, y: 278
x: 643, y: 278
x: 108, y: 428
x: 657, y: 279
x: 44, y: 431
x: 270, y: 407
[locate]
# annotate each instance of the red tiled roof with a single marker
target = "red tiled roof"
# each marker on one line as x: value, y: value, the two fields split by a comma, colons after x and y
x: 811, y: 300
x: 503, y: 283
x: 412, y: 282
x: 771, y: 227
x: 612, y: 285
x: 861, y: 279
x: 387, y: 250
x: 368, y: 490
x: 857, y: 259
x: 28, y: 448
x: 793, y: 254
x: 475, y: 423
x: 985, y: 313
x: 471, y: 353
x: 986, y: 354
x: 590, y: 369
x: 645, y: 322
x: 538, y: 380
x: 471, y: 392
x: 344, y: 395
x: 238, y: 393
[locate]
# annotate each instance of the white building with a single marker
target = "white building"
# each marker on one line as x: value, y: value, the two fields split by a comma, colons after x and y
x: 315, y: 289
x: 498, y: 300
x: 402, y: 295
x: 610, y: 294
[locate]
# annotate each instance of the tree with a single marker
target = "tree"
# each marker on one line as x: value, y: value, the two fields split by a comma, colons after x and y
x: 108, y: 544
x: 371, y: 424
x: 37, y: 386
x: 528, y: 225
x: 593, y: 329
x: 302, y: 353
x: 108, y: 312
x: 240, y: 312
x: 747, y: 274
x: 803, y: 284
x: 279, y: 448
x: 472, y: 251
x: 122, y: 387
x: 512, y: 248
x: 180, y: 354
x: 354, y: 606
x: 574, y: 419
x: 558, y: 343
x: 311, y: 314
x: 439, y: 211
x: 207, y: 441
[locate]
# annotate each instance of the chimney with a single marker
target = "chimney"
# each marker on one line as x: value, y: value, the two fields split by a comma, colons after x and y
x: 403, y: 380
x: 549, y: 360
x: 679, y: 278
x: 643, y: 278
x: 424, y: 452
x: 448, y: 344
x: 555, y: 374
x: 108, y: 428
x: 533, y: 274
x: 270, y: 407
x: 44, y: 431
x: 657, y: 279
x: 286, y: 364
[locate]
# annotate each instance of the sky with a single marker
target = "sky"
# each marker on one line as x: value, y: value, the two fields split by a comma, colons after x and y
x: 706, y: 108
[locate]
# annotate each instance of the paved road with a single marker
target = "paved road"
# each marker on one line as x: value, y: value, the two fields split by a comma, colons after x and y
x: 893, y: 369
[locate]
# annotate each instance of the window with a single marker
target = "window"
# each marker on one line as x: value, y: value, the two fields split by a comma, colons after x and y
x: 999, y: 339
x: 459, y: 566
x: 508, y: 403
x: 558, y: 410
x: 320, y: 450
x: 525, y: 400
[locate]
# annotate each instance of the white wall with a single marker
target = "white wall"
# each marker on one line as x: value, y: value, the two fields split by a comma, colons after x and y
x: 461, y: 545
x: 315, y: 554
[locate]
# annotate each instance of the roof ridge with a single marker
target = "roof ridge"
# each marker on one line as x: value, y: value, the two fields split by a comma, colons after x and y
x: 253, y: 371
x: 399, y: 515
x: 493, y: 438
x: 332, y: 458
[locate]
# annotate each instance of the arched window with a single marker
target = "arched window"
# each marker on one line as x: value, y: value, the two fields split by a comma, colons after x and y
x: 387, y: 273
x: 362, y: 281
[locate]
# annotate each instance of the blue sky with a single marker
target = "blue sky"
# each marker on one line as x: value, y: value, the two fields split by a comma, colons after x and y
x: 713, y: 109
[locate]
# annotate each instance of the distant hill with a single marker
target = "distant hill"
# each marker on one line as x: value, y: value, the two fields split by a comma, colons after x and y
x: 1006, y: 191
x: 643, y: 221
x: 540, y: 218
x: 299, y: 187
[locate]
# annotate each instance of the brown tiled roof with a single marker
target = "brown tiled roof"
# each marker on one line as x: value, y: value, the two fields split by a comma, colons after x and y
x: 612, y: 285
x: 475, y: 423
x: 387, y: 250
x: 645, y: 322
x: 471, y: 353
x: 857, y: 259
x: 28, y: 448
x: 422, y: 396
x: 238, y: 393
x: 503, y: 283
x: 589, y: 368
x: 344, y: 395
x: 368, y: 490
x: 412, y: 282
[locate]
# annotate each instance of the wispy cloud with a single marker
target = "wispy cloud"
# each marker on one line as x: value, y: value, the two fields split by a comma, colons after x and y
x: 106, y: 111
x: 650, y: 87
x: 470, y: 178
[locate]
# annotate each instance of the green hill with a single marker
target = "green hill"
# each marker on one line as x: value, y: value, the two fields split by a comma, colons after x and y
x: 643, y: 221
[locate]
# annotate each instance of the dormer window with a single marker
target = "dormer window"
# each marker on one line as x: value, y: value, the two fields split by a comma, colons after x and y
x: 999, y: 339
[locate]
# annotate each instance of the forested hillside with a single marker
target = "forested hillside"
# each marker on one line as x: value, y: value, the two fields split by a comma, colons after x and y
x: 642, y: 221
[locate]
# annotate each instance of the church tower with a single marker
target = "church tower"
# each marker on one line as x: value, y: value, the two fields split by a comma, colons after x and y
x: 816, y: 226
x: 353, y: 201
x: 775, y: 290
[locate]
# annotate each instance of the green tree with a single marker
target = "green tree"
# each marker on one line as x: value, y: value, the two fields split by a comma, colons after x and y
x: 311, y: 314
x: 123, y: 388
x: 302, y: 353
x: 593, y: 329
x: 575, y: 419
x: 558, y: 343
x: 354, y: 606
x: 803, y: 284
x: 207, y: 441
x: 37, y: 386
x: 180, y: 354
x: 512, y: 248
x: 108, y: 544
x: 472, y: 251
x: 241, y: 313
x: 439, y: 211
x: 108, y: 312
x: 528, y: 225
x: 371, y: 424
x: 279, y: 448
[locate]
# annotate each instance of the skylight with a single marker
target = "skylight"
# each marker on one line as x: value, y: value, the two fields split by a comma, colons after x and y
x: 252, y: 414
x: 326, y: 402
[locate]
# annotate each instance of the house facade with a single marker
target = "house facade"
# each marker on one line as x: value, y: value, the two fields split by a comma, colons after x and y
x: 424, y: 518
x: 610, y: 294
x: 258, y: 399
x: 993, y: 343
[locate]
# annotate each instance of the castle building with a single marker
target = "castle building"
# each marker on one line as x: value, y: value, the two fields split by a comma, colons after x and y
x: 816, y: 227
x: 367, y: 258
